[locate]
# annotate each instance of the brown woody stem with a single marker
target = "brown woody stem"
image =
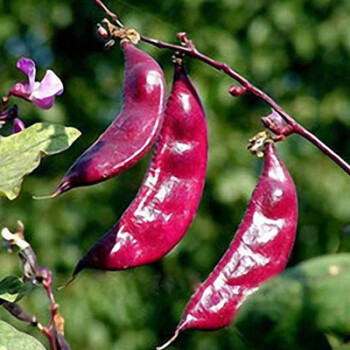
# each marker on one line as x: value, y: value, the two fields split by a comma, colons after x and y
x: 190, y: 50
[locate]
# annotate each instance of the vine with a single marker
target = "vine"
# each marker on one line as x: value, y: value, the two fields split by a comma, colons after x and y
x: 188, y: 48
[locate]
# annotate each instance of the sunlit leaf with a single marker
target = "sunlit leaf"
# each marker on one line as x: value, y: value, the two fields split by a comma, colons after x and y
x: 20, y: 153
x: 12, y: 339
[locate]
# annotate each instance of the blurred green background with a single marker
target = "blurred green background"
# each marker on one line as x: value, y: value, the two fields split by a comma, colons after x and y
x: 298, y: 51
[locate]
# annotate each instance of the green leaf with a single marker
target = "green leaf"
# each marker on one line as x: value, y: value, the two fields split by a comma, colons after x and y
x: 12, y: 339
x: 307, y: 307
x: 12, y: 289
x: 20, y: 153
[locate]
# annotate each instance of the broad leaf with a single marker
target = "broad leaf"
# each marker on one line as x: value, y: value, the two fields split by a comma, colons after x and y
x: 307, y: 307
x: 13, y: 289
x: 12, y: 339
x: 20, y: 153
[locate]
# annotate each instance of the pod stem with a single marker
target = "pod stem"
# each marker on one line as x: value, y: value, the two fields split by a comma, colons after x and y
x: 188, y: 48
x: 171, y: 340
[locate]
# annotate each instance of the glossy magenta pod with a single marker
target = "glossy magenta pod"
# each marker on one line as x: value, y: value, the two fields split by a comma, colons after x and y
x: 259, y: 251
x: 169, y: 196
x: 132, y: 132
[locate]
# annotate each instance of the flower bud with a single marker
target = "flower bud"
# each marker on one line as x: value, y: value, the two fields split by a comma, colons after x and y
x: 237, y: 90
x: 102, y: 32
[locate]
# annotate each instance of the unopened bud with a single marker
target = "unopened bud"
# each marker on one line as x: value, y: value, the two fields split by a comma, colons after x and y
x: 237, y: 90
x: 109, y: 44
x: 182, y: 36
x: 102, y: 32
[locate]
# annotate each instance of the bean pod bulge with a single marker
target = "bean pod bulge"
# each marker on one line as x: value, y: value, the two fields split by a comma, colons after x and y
x: 169, y: 196
x: 259, y: 251
x: 133, y: 131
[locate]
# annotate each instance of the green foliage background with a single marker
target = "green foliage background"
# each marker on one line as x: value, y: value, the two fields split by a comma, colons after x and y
x: 296, y: 50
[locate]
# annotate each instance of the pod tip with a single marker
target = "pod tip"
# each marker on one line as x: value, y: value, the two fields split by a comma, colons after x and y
x: 171, y: 340
x: 64, y: 186
x: 66, y: 284
x: 39, y: 198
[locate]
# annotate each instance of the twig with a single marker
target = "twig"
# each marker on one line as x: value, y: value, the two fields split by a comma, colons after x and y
x: 15, y: 310
x: 47, y: 284
x: 190, y: 50
x: 113, y: 16
x: 33, y: 273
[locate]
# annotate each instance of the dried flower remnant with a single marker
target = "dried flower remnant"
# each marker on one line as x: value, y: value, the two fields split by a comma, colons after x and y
x: 42, y: 94
x: 29, y: 261
x: 15, y: 239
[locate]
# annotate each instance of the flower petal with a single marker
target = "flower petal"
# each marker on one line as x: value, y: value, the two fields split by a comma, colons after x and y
x: 43, y: 93
x: 51, y: 85
x: 18, y: 126
x: 22, y: 89
x: 43, y: 103
x: 27, y: 66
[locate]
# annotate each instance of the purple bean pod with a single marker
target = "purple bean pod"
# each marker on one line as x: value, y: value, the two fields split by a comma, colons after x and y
x: 168, y: 199
x: 259, y: 251
x: 133, y: 131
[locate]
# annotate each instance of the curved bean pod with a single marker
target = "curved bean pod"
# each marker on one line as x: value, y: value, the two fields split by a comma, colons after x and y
x: 132, y: 132
x: 259, y: 251
x: 168, y: 199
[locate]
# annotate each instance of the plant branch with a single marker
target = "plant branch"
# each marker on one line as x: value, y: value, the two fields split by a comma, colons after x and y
x: 299, y: 129
x: 33, y: 273
x: 109, y: 13
x: 189, y: 49
x: 46, y: 276
x: 54, y: 332
x: 249, y: 87
x: 15, y: 310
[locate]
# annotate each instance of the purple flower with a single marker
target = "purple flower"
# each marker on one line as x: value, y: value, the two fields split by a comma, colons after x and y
x: 18, y: 126
x: 43, y: 93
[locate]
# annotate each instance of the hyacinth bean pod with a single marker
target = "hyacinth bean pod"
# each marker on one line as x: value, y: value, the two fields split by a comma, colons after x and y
x: 132, y: 132
x: 258, y: 252
x: 168, y: 199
